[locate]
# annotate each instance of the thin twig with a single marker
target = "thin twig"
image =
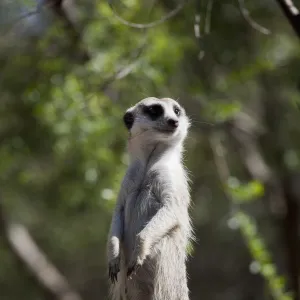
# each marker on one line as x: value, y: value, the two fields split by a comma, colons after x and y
x: 25, y: 15
x: 125, y: 71
x: 219, y: 158
x: 207, y: 25
x: 208, y: 14
x: 246, y: 15
x: 197, y: 32
x: 148, y: 25
x: 28, y: 14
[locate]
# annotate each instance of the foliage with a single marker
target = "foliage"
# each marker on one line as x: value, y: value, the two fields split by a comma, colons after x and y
x: 63, y: 144
x: 262, y: 257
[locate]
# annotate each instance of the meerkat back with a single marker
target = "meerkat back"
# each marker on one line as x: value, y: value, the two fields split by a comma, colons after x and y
x: 151, y: 227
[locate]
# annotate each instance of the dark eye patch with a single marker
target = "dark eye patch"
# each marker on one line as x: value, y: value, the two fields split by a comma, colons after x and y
x: 153, y: 111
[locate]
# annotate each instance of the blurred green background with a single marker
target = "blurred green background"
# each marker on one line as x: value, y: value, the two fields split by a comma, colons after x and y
x: 69, y: 69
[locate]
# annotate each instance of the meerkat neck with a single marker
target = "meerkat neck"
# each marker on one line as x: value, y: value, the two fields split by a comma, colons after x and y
x: 150, y: 153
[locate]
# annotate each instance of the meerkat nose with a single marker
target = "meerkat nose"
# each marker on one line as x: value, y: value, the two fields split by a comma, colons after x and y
x: 173, y: 123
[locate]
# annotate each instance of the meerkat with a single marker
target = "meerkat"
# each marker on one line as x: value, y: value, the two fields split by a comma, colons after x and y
x: 151, y: 226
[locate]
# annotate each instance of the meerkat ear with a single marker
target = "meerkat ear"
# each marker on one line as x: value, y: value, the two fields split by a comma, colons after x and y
x: 128, y: 119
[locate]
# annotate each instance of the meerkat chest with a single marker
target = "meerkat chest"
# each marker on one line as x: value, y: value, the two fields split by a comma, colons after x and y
x: 142, y: 193
x: 141, y: 199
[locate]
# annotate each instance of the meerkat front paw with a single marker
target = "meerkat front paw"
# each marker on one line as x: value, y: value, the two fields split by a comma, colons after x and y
x: 114, y: 269
x: 133, y: 266
x: 139, y: 255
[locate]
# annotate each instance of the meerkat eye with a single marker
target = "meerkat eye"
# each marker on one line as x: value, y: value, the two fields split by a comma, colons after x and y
x: 176, y: 110
x: 154, y: 111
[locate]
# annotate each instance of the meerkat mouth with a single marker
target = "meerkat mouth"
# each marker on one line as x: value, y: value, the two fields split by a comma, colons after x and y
x: 166, y: 130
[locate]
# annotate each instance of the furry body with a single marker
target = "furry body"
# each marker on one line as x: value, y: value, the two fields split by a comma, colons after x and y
x: 151, y: 227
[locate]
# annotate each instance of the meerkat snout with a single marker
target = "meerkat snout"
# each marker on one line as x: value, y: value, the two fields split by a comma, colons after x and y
x: 173, y: 123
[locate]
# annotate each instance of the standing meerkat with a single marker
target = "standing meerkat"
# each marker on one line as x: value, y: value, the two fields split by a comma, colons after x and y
x: 151, y: 227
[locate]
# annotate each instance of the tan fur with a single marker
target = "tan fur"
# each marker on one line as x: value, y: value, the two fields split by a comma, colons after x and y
x: 151, y: 228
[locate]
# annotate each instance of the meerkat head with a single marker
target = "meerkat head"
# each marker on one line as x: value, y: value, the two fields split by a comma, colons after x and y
x: 157, y: 120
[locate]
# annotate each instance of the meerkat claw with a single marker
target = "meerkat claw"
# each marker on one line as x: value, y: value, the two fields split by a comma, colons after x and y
x: 133, y: 269
x: 130, y: 271
x: 113, y: 273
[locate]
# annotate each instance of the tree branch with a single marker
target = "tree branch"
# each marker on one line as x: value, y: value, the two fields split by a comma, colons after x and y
x: 292, y: 14
x: 246, y: 15
x: 56, y: 6
x: 283, y: 203
x: 74, y: 33
x: 169, y: 15
x: 26, y: 250
x: 124, y: 71
x: 133, y: 56
x: 243, y: 221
